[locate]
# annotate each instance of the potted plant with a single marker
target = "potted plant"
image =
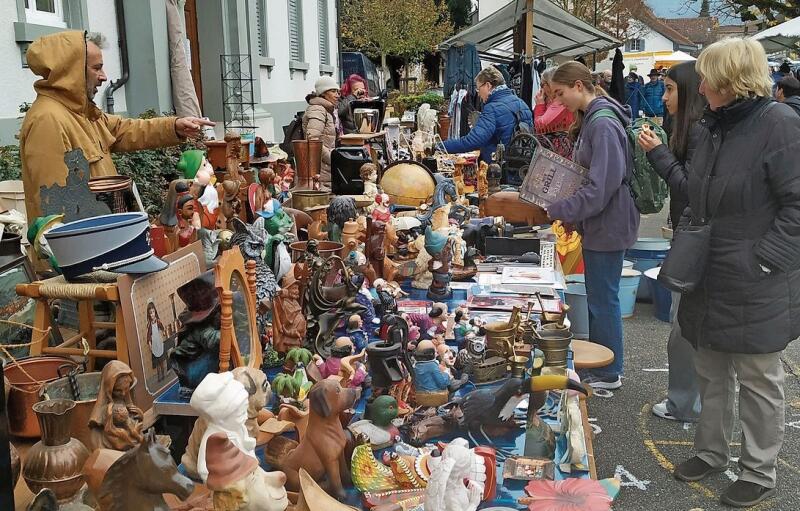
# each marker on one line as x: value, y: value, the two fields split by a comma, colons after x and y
x: 294, y: 357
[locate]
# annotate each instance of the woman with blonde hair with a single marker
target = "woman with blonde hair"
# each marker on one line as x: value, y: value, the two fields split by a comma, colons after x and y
x: 602, y: 210
x: 745, y: 309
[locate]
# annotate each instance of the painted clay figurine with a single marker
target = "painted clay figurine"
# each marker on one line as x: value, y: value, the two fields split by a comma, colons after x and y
x: 440, y: 247
x: 251, y: 240
x: 115, y: 422
x: 288, y: 319
x: 342, y: 347
x: 432, y: 323
x: 186, y: 232
x: 197, y: 352
x: 340, y: 210
x: 381, y: 212
x: 356, y: 333
x: 222, y: 402
x: 369, y: 176
x: 375, y: 250
x: 280, y: 227
x: 449, y: 487
x: 317, y: 229
x: 238, y: 483
x: 377, y: 425
x: 429, y: 374
x: 231, y: 205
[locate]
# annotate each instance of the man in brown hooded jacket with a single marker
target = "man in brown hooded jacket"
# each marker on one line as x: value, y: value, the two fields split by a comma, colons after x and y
x: 64, y: 117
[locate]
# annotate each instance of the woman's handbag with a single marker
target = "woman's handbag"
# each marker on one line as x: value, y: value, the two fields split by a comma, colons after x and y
x: 685, y: 265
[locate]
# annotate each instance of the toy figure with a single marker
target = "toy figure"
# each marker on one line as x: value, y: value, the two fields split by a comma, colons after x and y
x: 369, y: 175
x: 375, y: 250
x: 342, y: 347
x: 251, y: 240
x: 197, y: 352
x: 288, y: 319
x: 386, y: 297
x: 222, y: 402
x: 115, y: 422
x: 231, y: 205
x: 381, y: 212
x: 356, y: 333
x: 432, y: 323
x: 279, y: 225
x: 440, y: 247
x: 445, y: 356
x: 462, y: 325
x: 429, y: 374
x: 377, y: 424
x: 364, y: 297
x: 238, y: 483
x: 186, y: 231
x: 206, y: 197
x: 317, y: 228
x: 449, y: 487
x: 471, y: 355
x: 351, y: 237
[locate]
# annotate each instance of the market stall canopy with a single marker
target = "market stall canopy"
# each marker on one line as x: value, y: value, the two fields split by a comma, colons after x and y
x: 556, y: 32
x: 785, y: 36
x: 672, y: 59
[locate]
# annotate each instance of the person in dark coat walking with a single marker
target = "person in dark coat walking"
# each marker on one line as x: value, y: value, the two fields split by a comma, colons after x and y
x: 497, y: 120
x: 788, y: 92
x: 685, y: 104
x: 746, y: 309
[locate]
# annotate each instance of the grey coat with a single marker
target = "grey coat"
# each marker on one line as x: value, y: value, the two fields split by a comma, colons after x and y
x: 750, y: 149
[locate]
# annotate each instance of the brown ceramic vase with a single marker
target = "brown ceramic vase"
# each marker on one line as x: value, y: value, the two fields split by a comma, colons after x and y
x: 57, y: 460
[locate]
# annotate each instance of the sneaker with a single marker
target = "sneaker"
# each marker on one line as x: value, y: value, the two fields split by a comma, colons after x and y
x: 695, y: 469
x: 660, y: 410
x: 597, y: 382
x: 746, y: 494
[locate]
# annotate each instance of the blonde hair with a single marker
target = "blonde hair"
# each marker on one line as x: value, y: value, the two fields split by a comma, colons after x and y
x: 567, y: 74
x: 736, y: 66
x: 490, y: 74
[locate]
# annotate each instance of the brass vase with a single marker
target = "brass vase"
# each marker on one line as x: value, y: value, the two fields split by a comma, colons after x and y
x: 56, y: 461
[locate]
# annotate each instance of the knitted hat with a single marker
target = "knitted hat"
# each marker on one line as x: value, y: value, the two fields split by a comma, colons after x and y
x: 226, y: 463
x: 190, y: 162
x: 324, y: 84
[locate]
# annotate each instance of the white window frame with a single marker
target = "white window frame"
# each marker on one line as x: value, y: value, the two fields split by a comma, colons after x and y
x: 636, y: 44
x: 37, y: 17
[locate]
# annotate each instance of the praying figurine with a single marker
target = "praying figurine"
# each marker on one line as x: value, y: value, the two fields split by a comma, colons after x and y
x: 381, y: 212
x: 356, y: 333
x: 342, y: 347
x: 288, y: 320
x: 115, y: 422
x: 369, y: 176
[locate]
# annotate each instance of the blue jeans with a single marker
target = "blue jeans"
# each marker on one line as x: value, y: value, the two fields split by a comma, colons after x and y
x: 603, y: 273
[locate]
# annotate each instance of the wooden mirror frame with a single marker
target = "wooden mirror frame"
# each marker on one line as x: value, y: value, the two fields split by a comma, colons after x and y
x: 230, y: 263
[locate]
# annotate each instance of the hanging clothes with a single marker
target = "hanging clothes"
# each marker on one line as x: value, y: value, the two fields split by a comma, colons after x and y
x: 537, y: 81
x: 527, y: 84
x: 461, y: 67
x: 618, y: 78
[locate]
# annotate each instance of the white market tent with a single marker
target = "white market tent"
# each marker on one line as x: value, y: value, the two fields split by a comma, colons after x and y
x: 780, y: 37
x: 672, y: 59
x: 555, y: 32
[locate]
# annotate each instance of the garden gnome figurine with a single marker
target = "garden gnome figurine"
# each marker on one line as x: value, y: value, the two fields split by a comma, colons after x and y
x: 115, y: 422
x: 222, y: 402
x: 238, y: 483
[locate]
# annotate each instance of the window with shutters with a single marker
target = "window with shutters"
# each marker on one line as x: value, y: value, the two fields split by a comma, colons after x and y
x: 295, y: 30
x: 261, y: 29
x: 324, y: 48
x: 634, y: 45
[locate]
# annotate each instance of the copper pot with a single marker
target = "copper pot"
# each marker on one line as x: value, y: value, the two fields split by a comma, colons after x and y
x: 87, y: 386
x: 25, y: 392
x: 57, y: 460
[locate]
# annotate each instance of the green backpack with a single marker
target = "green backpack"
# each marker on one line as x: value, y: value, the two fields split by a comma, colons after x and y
x: 648, y: 190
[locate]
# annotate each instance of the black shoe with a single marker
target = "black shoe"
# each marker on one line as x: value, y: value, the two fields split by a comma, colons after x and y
x: 746, y: 494
x: 695, y: 469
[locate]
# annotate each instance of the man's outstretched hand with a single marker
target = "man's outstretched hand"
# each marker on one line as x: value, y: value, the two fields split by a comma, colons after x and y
x: 191, y: 127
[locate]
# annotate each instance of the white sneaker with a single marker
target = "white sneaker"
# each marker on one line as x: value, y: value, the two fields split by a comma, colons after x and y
x: 660, y: 410
x: 603, y: 383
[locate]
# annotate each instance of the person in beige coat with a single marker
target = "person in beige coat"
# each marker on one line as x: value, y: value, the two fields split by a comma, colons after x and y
x: 320, y: 122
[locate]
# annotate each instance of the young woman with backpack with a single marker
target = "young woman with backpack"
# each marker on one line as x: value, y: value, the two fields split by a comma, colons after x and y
x: 685, y: 104
x: 603, y: 210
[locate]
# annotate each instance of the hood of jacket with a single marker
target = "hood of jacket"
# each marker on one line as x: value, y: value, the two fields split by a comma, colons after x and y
x: 60, y: 59
x: 320, y: 101
x: 622, y: 111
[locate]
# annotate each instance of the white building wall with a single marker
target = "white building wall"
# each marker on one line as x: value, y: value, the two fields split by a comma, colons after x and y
x: 16, y: 81
x: 487, y: 7
x: 653, y: 41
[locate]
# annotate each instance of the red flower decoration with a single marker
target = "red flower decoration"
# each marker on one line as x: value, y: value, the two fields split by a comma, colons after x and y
x: 568, y: 495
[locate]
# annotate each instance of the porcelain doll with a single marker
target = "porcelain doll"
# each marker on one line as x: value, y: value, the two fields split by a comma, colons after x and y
x: 369, y: 176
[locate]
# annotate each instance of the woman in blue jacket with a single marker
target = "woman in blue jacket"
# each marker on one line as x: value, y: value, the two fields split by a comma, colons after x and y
x: 497, y: 120
x: 602, y: 210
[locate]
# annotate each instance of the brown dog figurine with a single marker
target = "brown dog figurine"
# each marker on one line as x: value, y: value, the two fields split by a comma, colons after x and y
x: 321, y: 454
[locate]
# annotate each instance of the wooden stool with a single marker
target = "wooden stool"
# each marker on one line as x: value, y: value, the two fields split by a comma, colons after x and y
x: 589, y: 355
x: 96, y: 286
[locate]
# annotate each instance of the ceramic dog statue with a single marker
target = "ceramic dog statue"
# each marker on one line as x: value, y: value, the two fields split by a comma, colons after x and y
x: 321, y: 454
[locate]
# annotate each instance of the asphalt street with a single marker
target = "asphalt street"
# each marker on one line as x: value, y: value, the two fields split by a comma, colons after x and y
x: 642, y: 449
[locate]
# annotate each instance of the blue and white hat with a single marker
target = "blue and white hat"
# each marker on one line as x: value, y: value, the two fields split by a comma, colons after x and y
x: 119, y: 243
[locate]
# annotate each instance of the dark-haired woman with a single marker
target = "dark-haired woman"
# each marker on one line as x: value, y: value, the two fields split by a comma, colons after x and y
x: 685, y: 104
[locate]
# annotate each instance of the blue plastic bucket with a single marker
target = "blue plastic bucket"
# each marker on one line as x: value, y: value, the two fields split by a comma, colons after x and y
x: 627, y: 264
x: 578, y: 314
x: 647, y: 253
x: 628, y: 287
x: 662, y: 297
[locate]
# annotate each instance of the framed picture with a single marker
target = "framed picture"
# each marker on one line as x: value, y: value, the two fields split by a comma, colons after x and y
x: 151, y: 306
